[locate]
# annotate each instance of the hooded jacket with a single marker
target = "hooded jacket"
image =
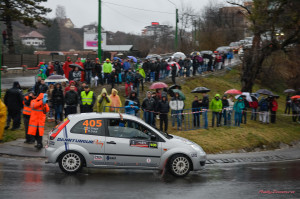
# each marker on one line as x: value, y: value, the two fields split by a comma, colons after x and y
x: 66, y: 68
x: 134, y: 99
x: 239, y: 105
x: 2, y: 118
x: 107, y: 67
x: 131, y: 109
x: 68, y: 87
x: 115, y: 101
x: 38, y: 116
x: 13, y: 98
x: 216, y: 105
x: 163, y: 105
x: 103, y: 102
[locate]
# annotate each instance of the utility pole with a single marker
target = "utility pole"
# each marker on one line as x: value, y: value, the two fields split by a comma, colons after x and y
x: 99, y: 32
x: 176, y: 31
x: 1, y: 44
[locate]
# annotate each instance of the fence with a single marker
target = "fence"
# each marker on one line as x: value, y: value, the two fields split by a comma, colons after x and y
x: 33, y: 60
x: 187, y: 117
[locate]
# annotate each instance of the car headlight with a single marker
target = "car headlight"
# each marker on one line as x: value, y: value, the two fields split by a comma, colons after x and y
x: 197, y: 148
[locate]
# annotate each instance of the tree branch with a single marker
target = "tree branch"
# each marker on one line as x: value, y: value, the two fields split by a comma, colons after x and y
x: 240, y: 5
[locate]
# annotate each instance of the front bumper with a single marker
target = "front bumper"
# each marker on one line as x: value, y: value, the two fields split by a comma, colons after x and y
x: 199, y: 162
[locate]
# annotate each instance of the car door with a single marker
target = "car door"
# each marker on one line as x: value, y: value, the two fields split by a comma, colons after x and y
x: 129, y: 145
x: 90, y: 134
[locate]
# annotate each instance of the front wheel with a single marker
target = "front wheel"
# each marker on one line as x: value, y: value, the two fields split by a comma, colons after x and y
x: 71, y: 162
x: 179, y: 165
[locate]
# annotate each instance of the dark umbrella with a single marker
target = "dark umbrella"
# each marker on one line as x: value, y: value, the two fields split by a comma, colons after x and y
x: 76, y: 65
x: 180, y: 93
x: 175, y: 86
x: 289, y: 90
x: 276, y: 96
x: 264, y: 92
x: 158, y: 85
x: 200, y: 90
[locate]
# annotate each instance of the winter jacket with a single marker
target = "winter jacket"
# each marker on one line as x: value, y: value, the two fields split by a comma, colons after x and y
x: 231, y: 104
x: 107, y: 67
x: 146, y: 66
x: 38, y: 116
x: 13, y: 98
x: 42, y: 89
x: 196, y: 106
x: 142, y: 72
x: 216, y: 105
x: 163, y: 106
x: 58, y: 68
x: 148, y: 104
x: 225, y: 103
x: 131, y: 109
x: 98, y: 68
x: 253, y: 104
x: 88, y: 65
x: 66, y: 68
x: 239, y: 106
x: 135, y: 100
x: 103, y: 102
x: 71, y: 98
x: 126, y: 66
x: 129, y: 78
x: 205, y: 102
x: 176, y: 104
x: 57, y: 97
x: 274, y: 105
x: 117, y: 66
x: 75, y: 75
x: 263, y: 105
x: 153, y: 67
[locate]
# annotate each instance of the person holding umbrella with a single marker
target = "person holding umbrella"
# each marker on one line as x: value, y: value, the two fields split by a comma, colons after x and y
x: 264, y: 110
x: 75, y: 74
x: 274, y: 108
x: 205, y: 106
x: 196, y: 108
x: 66, y: 67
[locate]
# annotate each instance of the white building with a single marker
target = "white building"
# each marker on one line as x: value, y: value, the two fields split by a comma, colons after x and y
x: 156, y: 30
x: 33, y: 39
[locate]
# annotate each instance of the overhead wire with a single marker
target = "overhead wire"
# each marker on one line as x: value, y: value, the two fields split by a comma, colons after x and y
x: 123, y: 14
x: 140, y: 9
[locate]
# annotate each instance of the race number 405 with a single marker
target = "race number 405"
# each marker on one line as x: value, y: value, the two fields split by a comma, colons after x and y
x: 92, y: 123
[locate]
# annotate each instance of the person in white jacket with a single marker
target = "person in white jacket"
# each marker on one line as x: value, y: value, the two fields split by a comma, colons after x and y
x: 230, y: 108
x: 176, y: 105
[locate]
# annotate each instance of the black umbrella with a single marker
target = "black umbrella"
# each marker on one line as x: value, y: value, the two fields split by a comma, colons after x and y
x: 76, y: 65
x: 276, y: 96
x: 264, y: 92
x: 289, y: 90
x: 175, y: 86
x: 200, y: 90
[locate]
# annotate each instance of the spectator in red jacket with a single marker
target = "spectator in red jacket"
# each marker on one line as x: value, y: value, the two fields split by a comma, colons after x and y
x: 253, y: 105
x: 66, y: 67
x: 72, y: 83
x: 274, y: 108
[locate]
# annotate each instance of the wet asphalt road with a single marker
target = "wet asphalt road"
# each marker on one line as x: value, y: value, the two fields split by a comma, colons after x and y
x: 24, y: 80
x: 31, y: 178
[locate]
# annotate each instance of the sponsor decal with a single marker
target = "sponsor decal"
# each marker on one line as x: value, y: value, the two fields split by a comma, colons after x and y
x: 51, y: 142
x: 75, y: 140
x: 111, y: 157
x: 143, y: 144
x: 193, y: 155
x: 99, y: 142
x: 148, y: 160
x: 98, y: 157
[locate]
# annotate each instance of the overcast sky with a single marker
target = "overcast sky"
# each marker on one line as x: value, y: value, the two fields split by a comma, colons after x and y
x: 120, y: 18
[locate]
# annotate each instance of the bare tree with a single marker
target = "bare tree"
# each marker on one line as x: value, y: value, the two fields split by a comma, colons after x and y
x: 60, y: 12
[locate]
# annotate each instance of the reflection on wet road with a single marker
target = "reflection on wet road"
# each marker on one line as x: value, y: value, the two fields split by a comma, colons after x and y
x: 33, y: 179
x: 25, y: 81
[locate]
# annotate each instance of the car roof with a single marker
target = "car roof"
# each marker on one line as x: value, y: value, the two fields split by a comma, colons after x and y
x: 104, y: 115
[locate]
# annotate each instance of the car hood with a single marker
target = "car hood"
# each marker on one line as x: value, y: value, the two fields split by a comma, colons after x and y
x: 182, y: 140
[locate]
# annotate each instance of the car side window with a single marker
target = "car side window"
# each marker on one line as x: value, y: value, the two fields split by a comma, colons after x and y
x: 89, y: 127
x: 127, y: 129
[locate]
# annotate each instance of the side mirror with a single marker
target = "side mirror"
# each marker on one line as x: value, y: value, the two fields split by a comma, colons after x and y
x: 153, y: 138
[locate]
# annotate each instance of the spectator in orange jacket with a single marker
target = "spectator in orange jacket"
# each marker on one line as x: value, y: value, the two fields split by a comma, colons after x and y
x: 39, y: 108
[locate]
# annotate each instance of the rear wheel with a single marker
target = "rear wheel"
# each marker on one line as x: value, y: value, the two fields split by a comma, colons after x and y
x: 71, y: 162
x: 179, y: 165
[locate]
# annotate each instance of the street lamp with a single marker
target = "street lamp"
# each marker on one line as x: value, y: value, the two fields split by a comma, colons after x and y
x: 176, y: 29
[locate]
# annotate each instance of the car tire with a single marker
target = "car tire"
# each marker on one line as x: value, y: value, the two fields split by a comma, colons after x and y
x: 179, y: 165
x: 71, y: 162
